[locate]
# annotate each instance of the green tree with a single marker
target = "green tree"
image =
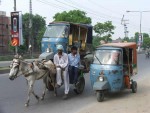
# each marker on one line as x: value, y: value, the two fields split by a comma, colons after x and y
x: 136, y: 37
x: 126, y: 39
x: 146, y: 42
x: 132, y: 39
x: 146, y: 39
x: 104, y: 30
x: 96, y: 41
x: 38, y: 28
x: 145, y: 35
x: 75, y: 16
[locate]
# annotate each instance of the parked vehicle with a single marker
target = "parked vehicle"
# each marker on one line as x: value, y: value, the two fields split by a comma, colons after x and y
x: 112, y: 69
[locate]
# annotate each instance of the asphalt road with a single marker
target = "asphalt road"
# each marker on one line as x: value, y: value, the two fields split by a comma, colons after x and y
x: 13, y: 95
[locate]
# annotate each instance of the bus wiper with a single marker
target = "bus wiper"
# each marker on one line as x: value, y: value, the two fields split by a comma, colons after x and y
x: 98, y: 60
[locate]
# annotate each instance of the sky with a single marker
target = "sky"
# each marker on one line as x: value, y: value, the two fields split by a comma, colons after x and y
x: 98, y: 10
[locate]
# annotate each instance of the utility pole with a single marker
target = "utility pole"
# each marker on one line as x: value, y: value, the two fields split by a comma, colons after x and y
x: 124, y: 23
x: 30, y: 29
x: 14, y: 5
x: 16, y: 48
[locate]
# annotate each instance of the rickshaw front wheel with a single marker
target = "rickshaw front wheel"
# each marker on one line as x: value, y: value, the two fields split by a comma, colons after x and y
x: 100, y: 96
x: 134, y: 86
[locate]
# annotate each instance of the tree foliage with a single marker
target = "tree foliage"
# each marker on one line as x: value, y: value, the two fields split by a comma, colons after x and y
x: 146, y: 42
x: 104, y: 32
x: 96, y: 41
x: 126, y: 39
x: 105, y: 28
x: 146, y: 39
x: 38, y: 28
x: 75, y: 16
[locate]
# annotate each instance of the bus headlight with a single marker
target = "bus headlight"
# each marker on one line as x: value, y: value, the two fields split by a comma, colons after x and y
x: 48, y: 50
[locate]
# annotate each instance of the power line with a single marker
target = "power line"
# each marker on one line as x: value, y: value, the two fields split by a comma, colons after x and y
x: 90, y: 11
x: 66, y: 4
x: 101, y: 17
x: 52, y: 4
x: 64, y: 8
x: 100, y: 6
x: 95, y: 15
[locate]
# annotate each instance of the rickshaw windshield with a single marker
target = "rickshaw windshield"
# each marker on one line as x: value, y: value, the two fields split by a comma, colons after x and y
x: 111, y: 57
x: 58, y: 31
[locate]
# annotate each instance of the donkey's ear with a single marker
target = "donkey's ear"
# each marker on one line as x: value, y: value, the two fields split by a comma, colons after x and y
x: 20, y: 57
x: 16, y: 56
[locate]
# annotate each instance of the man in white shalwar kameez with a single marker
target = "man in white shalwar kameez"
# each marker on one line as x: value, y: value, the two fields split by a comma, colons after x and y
x: 61, y: 62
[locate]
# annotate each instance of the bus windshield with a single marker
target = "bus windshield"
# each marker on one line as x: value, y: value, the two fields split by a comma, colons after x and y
x: 107, y: 57
x: 56, y: 31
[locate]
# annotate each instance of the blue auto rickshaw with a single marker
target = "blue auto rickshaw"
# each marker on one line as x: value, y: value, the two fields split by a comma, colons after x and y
x: 112, y: 69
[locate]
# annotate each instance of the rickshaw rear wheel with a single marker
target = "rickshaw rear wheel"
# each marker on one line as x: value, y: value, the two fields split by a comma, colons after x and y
x: 134, y: 86
x: 48, y: 84
x: 100, y: 96
x: 80, y: 85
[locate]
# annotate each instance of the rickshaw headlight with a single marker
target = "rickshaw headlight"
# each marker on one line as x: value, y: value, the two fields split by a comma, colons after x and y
x: 101, y: 78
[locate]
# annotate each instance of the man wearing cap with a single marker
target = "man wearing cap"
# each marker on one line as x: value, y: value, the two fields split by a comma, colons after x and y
x: 61, y: 62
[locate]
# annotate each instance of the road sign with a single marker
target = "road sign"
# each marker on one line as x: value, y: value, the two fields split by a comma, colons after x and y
x: 14, y: 41
x: 16, y: 29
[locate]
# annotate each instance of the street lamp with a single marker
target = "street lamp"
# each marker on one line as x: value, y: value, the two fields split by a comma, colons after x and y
x: 140, y: 22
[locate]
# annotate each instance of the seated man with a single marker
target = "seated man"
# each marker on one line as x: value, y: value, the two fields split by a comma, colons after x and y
x: 61, y: 63
x: 74, y: 60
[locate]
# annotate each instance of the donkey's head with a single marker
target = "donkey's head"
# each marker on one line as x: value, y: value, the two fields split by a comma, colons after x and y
x: 14, y: 68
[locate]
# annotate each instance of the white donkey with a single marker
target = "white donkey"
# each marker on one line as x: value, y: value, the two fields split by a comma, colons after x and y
x: 32, y: 72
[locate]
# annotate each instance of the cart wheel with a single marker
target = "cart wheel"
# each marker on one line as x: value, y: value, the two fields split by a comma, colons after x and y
x: 48, y: 84
x: 100, y: 96
x: 80, y: 85
x: 134, y: 87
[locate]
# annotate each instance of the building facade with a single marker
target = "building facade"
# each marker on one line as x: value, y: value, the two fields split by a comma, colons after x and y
x: 5, y: 32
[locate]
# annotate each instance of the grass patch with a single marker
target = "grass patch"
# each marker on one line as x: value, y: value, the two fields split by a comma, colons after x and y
x: 4, y: 68
x: 6, y: 58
